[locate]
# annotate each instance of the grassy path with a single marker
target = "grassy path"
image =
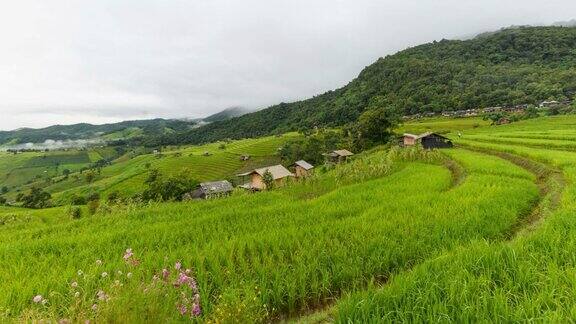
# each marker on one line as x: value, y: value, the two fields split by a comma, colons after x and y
x: 551, y: 183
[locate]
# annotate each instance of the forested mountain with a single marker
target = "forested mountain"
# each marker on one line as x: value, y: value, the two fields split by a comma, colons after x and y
x: 512, y: 66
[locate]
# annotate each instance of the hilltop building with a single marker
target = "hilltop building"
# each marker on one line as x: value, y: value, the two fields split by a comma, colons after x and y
x: 279, y: 173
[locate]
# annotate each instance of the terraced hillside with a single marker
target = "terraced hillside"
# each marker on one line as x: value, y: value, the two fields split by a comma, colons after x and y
x: 529, y: 276
x: 126, y: 174
x: 476, y: 233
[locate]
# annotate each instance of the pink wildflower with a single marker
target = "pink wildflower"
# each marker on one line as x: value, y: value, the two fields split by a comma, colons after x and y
x: 37, y: 299
x: 102, y: 295
x: 165, y: 273
x: 94, y: 307
x: 128, y: 254
x: 178, y: 265
x: 196, y: 310
x: 182, y: 309
x: 182, y: 279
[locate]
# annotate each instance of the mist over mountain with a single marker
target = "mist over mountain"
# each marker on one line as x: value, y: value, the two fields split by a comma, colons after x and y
x: 517, y: 65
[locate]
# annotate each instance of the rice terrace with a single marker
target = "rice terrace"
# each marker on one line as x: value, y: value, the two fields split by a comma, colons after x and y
x: 436, y: 182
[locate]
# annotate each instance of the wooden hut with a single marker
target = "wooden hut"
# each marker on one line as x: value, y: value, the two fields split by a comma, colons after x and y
x: 433, y: 140
x: 410, y: 139
x: 428, y: 140
x: 302, y: 169
x: 279, y: 173
x: 338, y: 156
x: 210, y: 190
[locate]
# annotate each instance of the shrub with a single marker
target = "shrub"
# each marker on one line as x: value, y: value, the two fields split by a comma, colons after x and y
x: 75, y: 212
x: 93, y: 196
x: 77, y: 200
x: 93, y: 206
x: 37, y: 198
x: 162, y: 188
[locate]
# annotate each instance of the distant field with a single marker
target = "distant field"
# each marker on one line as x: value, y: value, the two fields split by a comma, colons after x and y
x: 126, y: 174
x: 441, y: 125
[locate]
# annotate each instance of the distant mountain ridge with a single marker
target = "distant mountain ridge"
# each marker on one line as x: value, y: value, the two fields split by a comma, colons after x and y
x: 113, y: 131
x: 85, y: 131
x: 519, y: 65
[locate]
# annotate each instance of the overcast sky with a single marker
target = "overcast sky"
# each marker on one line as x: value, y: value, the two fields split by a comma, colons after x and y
x: 68, y: 61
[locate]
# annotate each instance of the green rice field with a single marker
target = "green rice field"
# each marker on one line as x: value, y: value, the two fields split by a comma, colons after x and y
x: 483, y: 232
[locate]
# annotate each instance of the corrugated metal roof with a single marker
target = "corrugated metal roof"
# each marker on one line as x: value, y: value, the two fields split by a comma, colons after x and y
x: 216, y: 187
x: 304, y: 164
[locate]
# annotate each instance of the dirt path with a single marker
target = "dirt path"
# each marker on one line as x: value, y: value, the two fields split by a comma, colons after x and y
x: 550, y: 181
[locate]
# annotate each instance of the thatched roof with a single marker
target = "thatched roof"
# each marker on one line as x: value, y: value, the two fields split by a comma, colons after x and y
x: 277, y: 171
x: 343, y: 153
x: 303, y: 164
x: 216, y: 187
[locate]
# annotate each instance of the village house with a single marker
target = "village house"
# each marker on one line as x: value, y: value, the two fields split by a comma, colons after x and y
x: 428, y: 140
x: 256, y: 181
x: 302, y: 169
x: 338, y: 156
x: 211, y: 190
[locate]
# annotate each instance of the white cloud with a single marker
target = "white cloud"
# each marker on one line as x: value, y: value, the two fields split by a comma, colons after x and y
x: 98, y: 61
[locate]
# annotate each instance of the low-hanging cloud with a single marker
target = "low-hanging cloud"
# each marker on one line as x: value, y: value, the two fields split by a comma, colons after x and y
x: 106, y: 60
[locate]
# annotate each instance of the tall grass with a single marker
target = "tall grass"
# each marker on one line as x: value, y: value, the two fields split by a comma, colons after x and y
x: 263, y: 256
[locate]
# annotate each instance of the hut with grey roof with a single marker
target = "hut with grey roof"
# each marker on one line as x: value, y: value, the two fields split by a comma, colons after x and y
x: 302, y: 169
x: 210, y: 190
x: 338, y: 156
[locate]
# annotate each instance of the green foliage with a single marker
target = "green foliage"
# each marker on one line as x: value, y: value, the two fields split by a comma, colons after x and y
x: 311, y: 147
x: 90, y: 176
x: 36, y: 198
x: 168, y: 188
x: 268, y: 180
x: 374, y: 126
x: 75, y: 212
x: 93, y: 206
x: 77, y: 200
